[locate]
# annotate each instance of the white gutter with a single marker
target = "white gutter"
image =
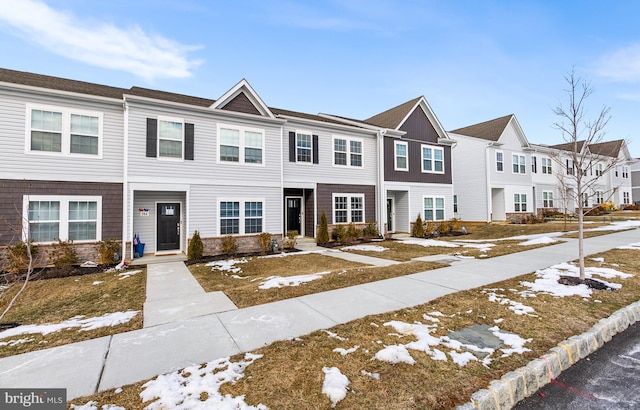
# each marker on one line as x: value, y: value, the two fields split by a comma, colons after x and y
x: 125, y: 184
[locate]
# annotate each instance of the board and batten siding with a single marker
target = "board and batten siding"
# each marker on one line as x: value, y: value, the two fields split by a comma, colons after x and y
x: 470, y: 178
x: 18, y: 164
x: 204, y: 168
x: 325, y: 172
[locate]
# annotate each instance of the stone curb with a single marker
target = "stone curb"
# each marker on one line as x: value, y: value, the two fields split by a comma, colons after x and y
x: 521, y: 383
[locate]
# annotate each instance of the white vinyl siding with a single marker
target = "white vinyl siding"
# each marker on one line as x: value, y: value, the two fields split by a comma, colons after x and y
x: 348, y: 208
x: 63, y: 131
x: 432, y: 159
x: 48, y: 218
x: 434, y: 209
x: 401, y: 156
x: 347, y: 152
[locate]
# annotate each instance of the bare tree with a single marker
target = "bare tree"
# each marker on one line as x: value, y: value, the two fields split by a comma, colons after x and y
x: 579, y: 132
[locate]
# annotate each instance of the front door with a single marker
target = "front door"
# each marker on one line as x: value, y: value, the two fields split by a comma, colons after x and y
x: 389, y: 214
x: 168, y: 226
x: 294, y: 214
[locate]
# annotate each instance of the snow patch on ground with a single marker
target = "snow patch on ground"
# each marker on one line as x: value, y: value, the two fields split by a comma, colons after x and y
x: 544, y: 240
x: 375, y: 376
x: 366, y: 248
x: 516, y: 307
x: 482, y: 247
x: 335, y: 384
x: 227, y: 265
x: 108, y: 319
x: 128, y: 273
x: 429, y: 242
x: 184, y: 388
x: 394, y: 354
x: 281, y: 281
x: 93, y: 405
x: 633, y: 246
x: 16, y: 342
x: 335, y: 336
x: 345, y: 352
x: 285, y: 254
x: 97, y: 282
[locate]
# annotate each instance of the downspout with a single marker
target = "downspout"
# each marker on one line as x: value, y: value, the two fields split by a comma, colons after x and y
x: 125, y: 182
x: 380, y: 188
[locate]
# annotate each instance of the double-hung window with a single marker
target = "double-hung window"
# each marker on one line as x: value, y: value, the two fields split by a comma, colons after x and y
x: 547, y: 199
x: 519, y: 165
x: 546, y: 165
x: 520, y: 202
x: 170, y: 138
x: 304, y: 147
x: 626, y: 198
x: 75, y: 218
x: 499, y: 161
x: 347, y: 152
x: 241, y: 217
x: 600, y: 197
x: 432, y: 159
x: 240, y: 145
x: 64, y: 131
x: 585, y: 199
x: 401, y: 159
x: 625, y: 172
x: 570, y: 167
x: 348, y: 208
x: 598, y: 169
x: 534, y: 164
x: 433, y: 208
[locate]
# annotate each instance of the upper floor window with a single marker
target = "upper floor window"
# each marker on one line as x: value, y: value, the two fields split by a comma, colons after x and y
x: 304, y: 147
x: 170, y: 138
x: 599, y: 197
x: 598, y: 169
x: 348, y: 208
x: 520, y: 202
x: 570, y: 167
x: 401, y: 159
x: 519, y: 166
x: 347, y: 152
x: 432, y: 159
x: 241, y: 145
x: 546, y: 165
x: 534, y: 164
x: 499, y: 161
x: 49, y: 218
x: 625, y: 172
x: 64, y: 131
x: 433, y: 208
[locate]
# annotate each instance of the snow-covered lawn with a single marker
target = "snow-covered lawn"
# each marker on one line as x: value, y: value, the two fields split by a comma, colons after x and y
x: 108, y: 319
x: 365, y: 248
x: 281, y: 281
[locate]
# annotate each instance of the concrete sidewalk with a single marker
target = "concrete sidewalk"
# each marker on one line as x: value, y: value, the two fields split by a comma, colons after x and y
x: 124, y: 358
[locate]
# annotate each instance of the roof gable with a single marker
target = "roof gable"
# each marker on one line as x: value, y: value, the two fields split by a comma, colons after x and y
x: 607, y: 149
x: 394, y: 118
x: 240, y: 98
x: 490, y: 130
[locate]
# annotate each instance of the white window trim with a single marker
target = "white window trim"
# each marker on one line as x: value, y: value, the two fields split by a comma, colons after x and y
x: 520, y: 202
x: 395, y: 156
x: 241, y: 222
x: 433, y: 160
x: 549, y: 199
x: 444, y: 213
x: 496, y: 161
x: 546, y: 169
x: 241, y: 130
x: 625, y: 172
x: 64, y: 214
x: 169, y: 119
x: 520, y: 165
x: 348, y: 196
x: 305, y: 132
x: 66, y: 130
x: 348, y: 152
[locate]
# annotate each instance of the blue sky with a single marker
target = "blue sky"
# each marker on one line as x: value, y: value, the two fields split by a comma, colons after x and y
x: 472, y: 60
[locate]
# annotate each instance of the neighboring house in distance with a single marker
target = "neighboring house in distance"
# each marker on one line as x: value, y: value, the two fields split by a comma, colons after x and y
x: 618, y: 180
x: 635, y: 181
x: 61, y: 171
x: 492, y: 171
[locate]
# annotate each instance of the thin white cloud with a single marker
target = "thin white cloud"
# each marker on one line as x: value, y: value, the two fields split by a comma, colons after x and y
x: 100, y: 44
x: 621, y: 65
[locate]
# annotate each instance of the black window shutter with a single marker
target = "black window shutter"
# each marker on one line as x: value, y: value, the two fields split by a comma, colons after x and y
x: 292, y: 146
x: 152, y: 136
x: 315, y: 149
x: 188, y: 141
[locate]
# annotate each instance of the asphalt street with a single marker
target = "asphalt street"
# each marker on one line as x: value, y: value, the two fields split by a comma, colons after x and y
x: 607, y: 379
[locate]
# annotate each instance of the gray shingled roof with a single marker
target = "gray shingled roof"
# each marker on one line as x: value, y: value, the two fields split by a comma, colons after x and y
x: 568, y: 146
x: 173, y: 97
x: 56, y: 83
x: 392, y: 117
x: 609, y: 148
x: 280, y: 111
x: 489, y: 130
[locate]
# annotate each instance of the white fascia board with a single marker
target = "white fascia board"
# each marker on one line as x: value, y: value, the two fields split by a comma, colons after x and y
x: 516, y: 125
x: 243, y: 86
x: 315, y: 123
x: 54, y: 92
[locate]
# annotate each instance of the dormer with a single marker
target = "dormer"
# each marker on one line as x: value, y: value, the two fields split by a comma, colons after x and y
x: 242, y: 98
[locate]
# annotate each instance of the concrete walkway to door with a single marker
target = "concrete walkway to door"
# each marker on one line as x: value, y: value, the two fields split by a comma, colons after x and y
x: 174, y: 294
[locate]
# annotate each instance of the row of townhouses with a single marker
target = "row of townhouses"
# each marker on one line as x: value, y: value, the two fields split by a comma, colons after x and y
x: 88, y: 162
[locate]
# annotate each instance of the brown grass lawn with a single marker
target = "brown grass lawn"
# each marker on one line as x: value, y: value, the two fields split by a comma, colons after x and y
x: 290, y: 376
x: 494, y: 230
x: 59, y: 299
x: 242, y: 287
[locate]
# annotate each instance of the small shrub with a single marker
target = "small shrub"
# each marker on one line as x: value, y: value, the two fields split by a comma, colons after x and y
x: 631, y: 207
x: 443, y: 228
x: 418, y: 227
x: 292, y: 238
x: 108, y: 251
x: 430, y: 229
x: 371, y: 230
x: 455, y: 225
x: 18, y: 257
x: 353, y: 233
x: 323, y: 230
x: 265, y: 242
x: 229, y: 245
x: 63, y: 254
x: 609, y: 206
x: 196, y: 248
x: 339, y: 232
